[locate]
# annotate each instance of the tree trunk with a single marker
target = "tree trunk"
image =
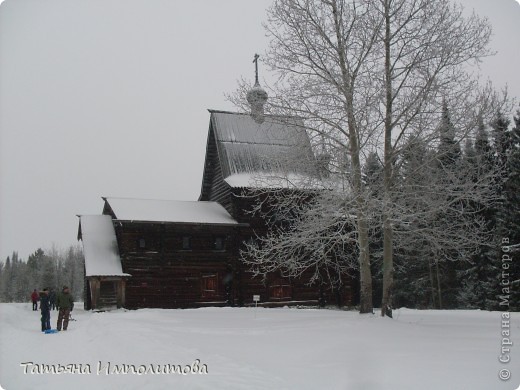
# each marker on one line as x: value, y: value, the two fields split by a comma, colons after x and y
x: 365, y: 274
x: 439, y: 292
x: 388, y: 269
x: 388, y: 261
x: 432, y: 286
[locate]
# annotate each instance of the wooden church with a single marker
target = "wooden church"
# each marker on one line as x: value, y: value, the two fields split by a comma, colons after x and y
x: 179, y: 254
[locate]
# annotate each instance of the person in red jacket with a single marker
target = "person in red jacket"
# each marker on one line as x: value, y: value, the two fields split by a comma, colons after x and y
x: 35, y: 297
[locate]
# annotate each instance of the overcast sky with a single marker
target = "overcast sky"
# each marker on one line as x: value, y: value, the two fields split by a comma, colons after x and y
x: 110, y: 98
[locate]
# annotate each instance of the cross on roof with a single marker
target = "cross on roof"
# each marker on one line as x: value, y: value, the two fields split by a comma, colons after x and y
x: 256, y: 68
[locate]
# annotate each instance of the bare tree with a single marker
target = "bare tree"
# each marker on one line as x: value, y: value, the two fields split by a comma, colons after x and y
x: 320, y: 51
x: 423, y: 47
x: 371, y: 76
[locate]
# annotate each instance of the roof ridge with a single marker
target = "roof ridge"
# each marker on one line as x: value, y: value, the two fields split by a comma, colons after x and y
x: 213, y: 111
x: 107, y: 198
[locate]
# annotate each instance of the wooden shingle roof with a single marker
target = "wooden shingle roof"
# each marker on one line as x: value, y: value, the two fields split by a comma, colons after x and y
x: 250, y: 153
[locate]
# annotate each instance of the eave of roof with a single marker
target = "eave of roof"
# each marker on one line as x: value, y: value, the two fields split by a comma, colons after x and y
x: 169, y: 211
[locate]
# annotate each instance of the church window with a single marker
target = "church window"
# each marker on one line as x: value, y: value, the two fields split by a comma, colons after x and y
x: 186, y: 242
x: 219, y: 243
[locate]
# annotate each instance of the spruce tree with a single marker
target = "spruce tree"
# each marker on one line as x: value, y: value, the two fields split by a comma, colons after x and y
x: 500, y: 154
x: 372, y: 173
x: 449, y: 163
x: 5, y: 281
x: 449, y: 149
x: 414, y: 278
x: 482, y: 147
x: 477, y: 275
x: 509, y: 217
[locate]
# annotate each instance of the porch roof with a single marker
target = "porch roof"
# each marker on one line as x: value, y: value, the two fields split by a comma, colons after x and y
x: 100, y: 246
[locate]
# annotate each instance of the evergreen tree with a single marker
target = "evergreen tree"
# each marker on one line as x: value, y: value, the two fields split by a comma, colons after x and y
x: 482, y: 147
x: 481, y: 281
x: 17, y: 281
x: 449, y: 163
x: 414, y: 276
x: 4, y: 281
x: 372, y: 173
x: 509, y: 217
x: 35, y: 260
x: 48, y: 274
x: 469, y: 156
x: 73, y: 270
x: 449, y: 149
x: 501, y: 144
x: 478, y: 276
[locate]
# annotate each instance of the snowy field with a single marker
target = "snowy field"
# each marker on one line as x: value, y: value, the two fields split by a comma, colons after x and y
x: 277, y: 349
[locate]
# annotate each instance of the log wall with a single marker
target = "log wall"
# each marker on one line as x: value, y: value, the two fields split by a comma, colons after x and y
x: 165, y: 274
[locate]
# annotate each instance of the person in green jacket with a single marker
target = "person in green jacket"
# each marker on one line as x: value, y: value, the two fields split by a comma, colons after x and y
x: 65, y: 304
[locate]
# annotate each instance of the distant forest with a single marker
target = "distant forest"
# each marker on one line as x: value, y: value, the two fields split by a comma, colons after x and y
x: 51, y: 269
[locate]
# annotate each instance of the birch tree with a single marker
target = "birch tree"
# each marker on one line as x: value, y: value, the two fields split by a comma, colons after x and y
x: 424, y: 47
x: 320, y: 50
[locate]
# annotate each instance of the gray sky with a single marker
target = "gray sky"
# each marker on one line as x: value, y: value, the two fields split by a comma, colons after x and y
x: 109, y: 98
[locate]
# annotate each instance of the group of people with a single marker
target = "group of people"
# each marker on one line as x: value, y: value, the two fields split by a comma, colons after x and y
x: 36, y: 297
x: 63, y: 302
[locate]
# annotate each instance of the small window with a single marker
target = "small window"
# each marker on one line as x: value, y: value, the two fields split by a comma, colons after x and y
x: 141, y: 243
x: 219, y: 243
x: 186, y: 242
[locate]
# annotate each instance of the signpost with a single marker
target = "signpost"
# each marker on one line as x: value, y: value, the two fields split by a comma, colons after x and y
x: 256, y: 299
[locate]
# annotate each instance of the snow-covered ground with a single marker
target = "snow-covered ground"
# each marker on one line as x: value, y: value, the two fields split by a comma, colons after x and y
x: 277, y: 349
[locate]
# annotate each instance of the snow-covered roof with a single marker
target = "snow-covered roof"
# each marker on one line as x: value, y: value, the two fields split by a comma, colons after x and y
x: 272, y: 181
x: 100, y: 246
x: 147, y: 210
x: 279, y: 144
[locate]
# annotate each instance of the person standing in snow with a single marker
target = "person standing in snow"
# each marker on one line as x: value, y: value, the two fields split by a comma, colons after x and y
x: 45, y: 307
x: 65, y: 304
x: 34, y: 299
x: 52, y: 299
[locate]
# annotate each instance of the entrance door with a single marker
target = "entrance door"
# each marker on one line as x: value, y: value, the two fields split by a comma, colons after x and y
x: 107, y: 294
x: 280, y: 289
x: 209, y: 286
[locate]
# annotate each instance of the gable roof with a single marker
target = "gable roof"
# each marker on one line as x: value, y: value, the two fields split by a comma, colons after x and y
x: 99, y: 246
x: 277, y: 147
x: 149, y: 210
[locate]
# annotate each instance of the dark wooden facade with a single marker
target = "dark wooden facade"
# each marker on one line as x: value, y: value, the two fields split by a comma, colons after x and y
x: 176, y: 264
x: 166, y: 274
